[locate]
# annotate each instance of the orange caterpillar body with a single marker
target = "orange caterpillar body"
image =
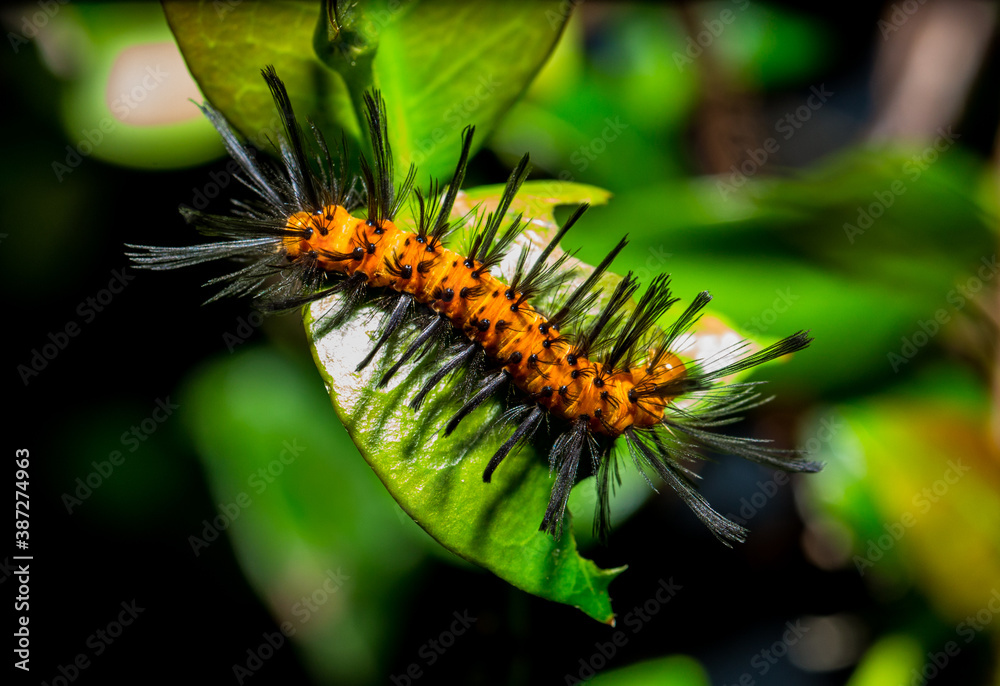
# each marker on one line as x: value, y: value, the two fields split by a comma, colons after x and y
x: 480, y: 306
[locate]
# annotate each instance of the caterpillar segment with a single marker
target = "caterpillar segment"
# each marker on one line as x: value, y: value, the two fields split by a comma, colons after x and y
x: 601, y: 379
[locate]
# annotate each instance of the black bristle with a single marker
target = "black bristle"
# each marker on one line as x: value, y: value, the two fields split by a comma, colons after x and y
x: 384, y: 199
x: 654, y: 302
x: 602, y: 329
x: 522, y: 433
x: 389, y: 327
x: 489, y: 388
x: 448, y: 367
x: 487, y: 247
x: 791, y: 344
x: 574, y: 305
x: 542, y: 278
x: 440, y: 212
x: 564, y: 459
x: 303, y: 181
x: 674, y: 476
x: 426, y: 337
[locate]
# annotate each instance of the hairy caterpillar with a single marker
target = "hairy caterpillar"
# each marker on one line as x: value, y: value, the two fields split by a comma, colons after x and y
x: 600, y: 379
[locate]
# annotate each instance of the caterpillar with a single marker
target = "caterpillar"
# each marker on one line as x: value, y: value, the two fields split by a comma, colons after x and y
x: 598, y: 379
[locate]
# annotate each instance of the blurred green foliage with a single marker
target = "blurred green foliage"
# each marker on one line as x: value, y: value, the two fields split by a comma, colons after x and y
x: 300, y: 509
x: 92, y: 41
x: 914, y: 475
x: 890, y: 661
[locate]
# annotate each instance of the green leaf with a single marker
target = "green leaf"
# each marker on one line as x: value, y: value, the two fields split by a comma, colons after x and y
x: 439, y: 65
x: 673, y: 670
x: 536, y: 200
x: 225, y: 47
x: 446, y: 65
x: 437, y: 479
